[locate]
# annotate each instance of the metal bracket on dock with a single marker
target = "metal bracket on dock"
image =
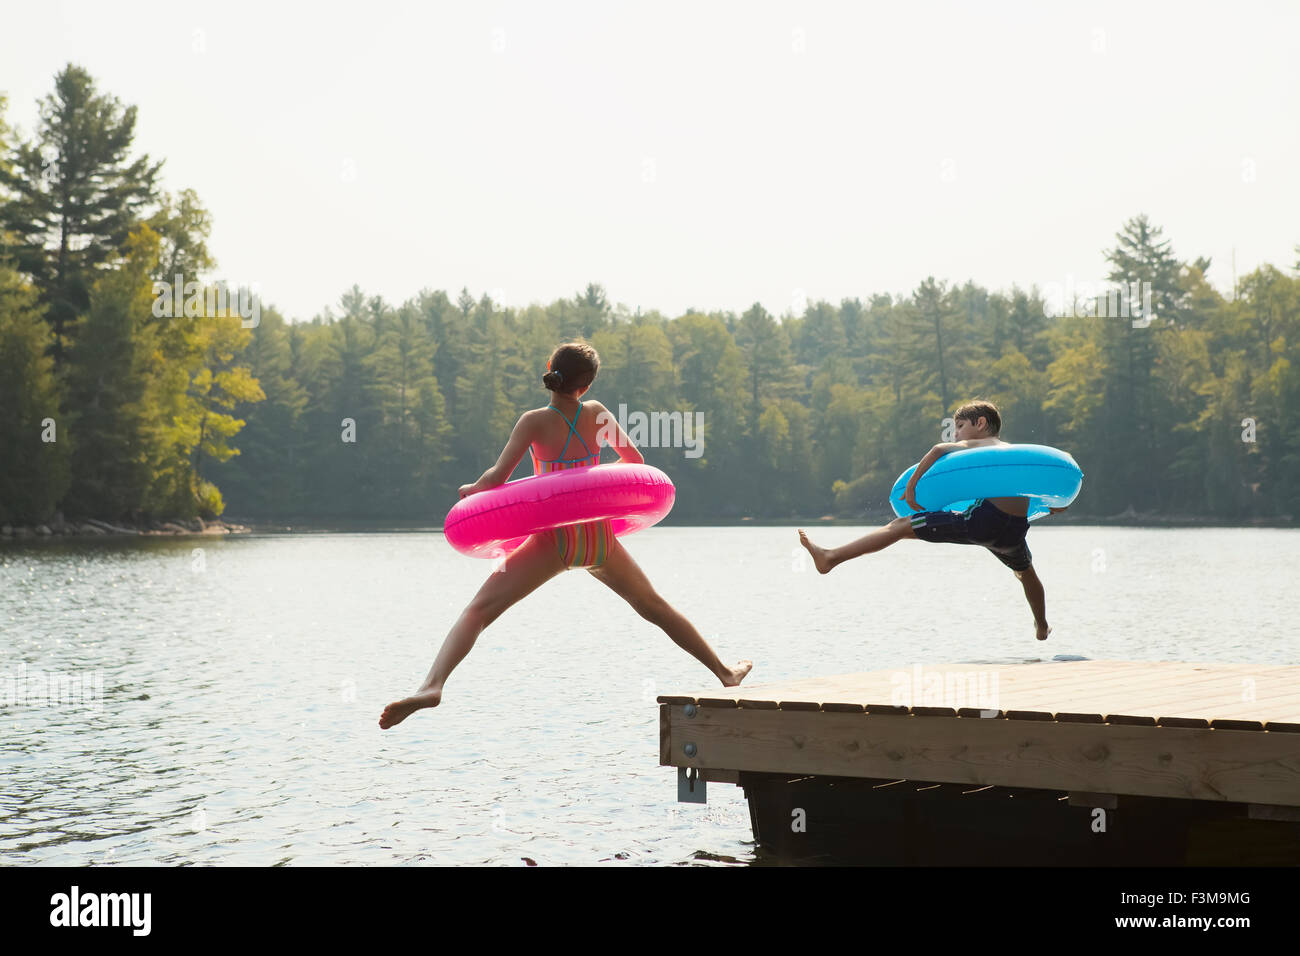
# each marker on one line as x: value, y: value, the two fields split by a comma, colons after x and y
x: 690, y: 786
x: 1261, y: 811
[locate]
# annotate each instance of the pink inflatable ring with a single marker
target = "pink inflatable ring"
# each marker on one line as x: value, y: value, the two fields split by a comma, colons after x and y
x: 496, y: 522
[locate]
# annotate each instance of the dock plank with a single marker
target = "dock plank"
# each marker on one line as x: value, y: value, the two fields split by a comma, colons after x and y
x: 1133, y: 692
x: 1208, y: 697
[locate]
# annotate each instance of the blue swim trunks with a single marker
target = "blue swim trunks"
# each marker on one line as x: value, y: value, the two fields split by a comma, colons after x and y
x: 983, y: 523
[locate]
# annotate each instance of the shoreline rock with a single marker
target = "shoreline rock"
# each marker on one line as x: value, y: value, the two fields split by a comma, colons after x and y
x: 93, y: 527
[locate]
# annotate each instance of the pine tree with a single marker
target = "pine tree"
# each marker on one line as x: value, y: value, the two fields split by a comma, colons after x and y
x: 1141, y: 259
x: 935, y: 345
x: 591, y: 311
x: 401, y: 365
x: 1141, y: 255
x: 76, y: 196
x: 767, y: 356
x: 267, y: 478
x: 6, y: 164
x: 113, y: 413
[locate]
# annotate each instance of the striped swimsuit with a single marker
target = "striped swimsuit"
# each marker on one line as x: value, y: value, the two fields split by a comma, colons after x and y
x: 584, y: 545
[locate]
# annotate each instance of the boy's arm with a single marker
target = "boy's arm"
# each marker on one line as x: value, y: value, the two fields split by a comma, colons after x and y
x: 516, y: 445
x: 612, y: 434
x: 931, y: 456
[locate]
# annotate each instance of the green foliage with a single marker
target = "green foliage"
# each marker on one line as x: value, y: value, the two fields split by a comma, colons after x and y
x: 33, y: 469
x: 381, y: 411
x: 141, y: 401
x: 209, y: 501
x: 75, y: 196
x: 6, y: 163
x: 791, y: 429
x: 113, y: 413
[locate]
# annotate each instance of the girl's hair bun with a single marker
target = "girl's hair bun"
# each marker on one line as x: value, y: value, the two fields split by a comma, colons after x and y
x: 572, y: 367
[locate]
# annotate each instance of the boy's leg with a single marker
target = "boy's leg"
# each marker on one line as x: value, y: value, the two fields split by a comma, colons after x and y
x: 1012, y: 550
x: 883, y: 537
x: 624, y: 577
x: 1037, y: 601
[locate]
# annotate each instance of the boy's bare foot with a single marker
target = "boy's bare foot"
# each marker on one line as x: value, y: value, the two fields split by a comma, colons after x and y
x: 399, y: 710
x: 737, y: 673
x: 1043, y: 631
x: 821, y: 556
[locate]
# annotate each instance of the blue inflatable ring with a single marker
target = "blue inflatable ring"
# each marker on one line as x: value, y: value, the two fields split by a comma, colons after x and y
x: 1048, y: 477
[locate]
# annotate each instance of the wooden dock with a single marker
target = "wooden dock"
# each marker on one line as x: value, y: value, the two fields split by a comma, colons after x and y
x: 1077, y: 762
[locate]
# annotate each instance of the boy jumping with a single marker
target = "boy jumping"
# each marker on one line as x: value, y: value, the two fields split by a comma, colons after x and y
x: 998, y: 524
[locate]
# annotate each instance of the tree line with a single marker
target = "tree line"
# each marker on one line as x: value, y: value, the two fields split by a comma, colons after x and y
x: 1184, y: 404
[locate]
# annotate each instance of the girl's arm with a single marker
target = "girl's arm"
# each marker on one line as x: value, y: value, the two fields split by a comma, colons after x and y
x: 516, y: 445
x: 611, y: 433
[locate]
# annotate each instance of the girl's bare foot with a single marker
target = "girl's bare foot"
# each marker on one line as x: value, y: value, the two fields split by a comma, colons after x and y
x: 1043, y: 631
x: 821, y: 556
x: 399, y: 710
x: 736, y: 674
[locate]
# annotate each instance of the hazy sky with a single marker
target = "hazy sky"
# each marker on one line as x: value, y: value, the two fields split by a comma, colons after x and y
x: 703, y: 155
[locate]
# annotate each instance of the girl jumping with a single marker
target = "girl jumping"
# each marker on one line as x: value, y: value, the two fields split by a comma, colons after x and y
x: 542, y: 556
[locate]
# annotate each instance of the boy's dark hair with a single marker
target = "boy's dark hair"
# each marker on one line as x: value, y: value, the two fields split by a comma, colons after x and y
x: 572, y: 366
x: 973, y: 411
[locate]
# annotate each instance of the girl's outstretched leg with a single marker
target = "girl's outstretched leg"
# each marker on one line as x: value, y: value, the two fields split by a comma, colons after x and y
x: 626, y: 579
x: 534, y: 563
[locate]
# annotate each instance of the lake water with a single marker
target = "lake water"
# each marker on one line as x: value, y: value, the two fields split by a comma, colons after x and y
x: 241, y: 686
